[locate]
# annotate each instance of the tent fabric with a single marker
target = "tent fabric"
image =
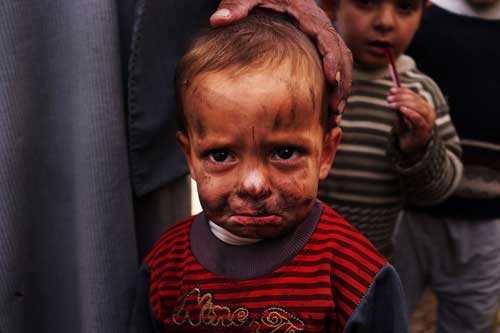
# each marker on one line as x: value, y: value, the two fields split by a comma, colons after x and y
x: 87, y: 154
x: 68, y: 254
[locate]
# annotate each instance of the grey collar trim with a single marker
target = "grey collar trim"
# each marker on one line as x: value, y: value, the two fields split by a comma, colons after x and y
x: 242, y: 262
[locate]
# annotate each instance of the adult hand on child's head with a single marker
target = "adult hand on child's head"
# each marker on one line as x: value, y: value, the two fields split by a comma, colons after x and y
x: 337, y: 58
x: 419, y: 113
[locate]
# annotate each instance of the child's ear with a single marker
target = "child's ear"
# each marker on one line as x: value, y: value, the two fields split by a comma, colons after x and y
x: 330, y: 145
x: 183, y: 140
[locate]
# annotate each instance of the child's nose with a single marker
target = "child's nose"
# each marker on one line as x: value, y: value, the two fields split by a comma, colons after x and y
x: 385, y: 18
x: 255, y: 184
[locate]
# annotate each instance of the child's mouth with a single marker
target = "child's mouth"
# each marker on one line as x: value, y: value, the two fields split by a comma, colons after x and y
x: 381, y: 44
x: 257, y: 219
x: 377, y: 47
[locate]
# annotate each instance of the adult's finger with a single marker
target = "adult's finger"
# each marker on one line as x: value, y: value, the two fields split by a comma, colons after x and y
x: 403, y: 98
x: 232, y: 10
x: 338, y: 70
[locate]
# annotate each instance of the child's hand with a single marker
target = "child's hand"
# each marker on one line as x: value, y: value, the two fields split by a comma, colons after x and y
x: 421, y: 116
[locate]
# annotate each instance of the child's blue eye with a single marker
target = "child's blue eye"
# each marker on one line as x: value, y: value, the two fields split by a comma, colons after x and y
x: 286, y: 153
x: 219, y: 155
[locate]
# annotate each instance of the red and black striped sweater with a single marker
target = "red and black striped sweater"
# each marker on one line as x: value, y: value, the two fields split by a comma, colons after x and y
x: 322, y: 277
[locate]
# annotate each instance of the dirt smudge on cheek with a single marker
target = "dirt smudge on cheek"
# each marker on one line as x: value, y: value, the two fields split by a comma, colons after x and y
x: 222, y: 203
x: 293, y: 101
x: 216, y: 205
x: 277, y: 122
x: 196, y: 120
x: 295, y: 202
x: 294, y: 194
x: 214, y: 201
x: 200, y: 129
x: 203, y: 180
x: 195, y: 123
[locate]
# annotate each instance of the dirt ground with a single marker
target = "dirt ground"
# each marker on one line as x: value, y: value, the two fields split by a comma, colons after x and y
x: 424, y: 318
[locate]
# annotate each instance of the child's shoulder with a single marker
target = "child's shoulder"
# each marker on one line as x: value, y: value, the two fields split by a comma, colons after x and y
x: 177, y: 233
x: 408, y: 68
x: 422, y: 83
x: 358, y: 270
x: 351, y: 244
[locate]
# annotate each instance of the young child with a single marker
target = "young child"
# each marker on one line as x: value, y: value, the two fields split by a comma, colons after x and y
x: 382, y: 166
x: 264, y: 255
x: 455, y: 248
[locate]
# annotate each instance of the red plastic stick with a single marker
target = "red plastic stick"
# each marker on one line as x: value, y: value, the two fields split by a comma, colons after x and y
x: 404, y: 123
x: 392, y: 67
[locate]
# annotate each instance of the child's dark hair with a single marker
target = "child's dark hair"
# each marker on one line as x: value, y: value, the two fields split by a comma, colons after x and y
x: 261, y: 40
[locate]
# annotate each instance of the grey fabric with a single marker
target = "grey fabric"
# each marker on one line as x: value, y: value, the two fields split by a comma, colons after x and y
x: 459, y: 260
x: 67, y: 242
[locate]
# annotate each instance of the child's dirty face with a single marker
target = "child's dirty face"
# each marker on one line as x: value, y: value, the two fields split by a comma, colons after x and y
x: 369, y: 26
x: 256, y: 148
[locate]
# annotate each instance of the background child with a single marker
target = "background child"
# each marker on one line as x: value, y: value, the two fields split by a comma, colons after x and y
x: 381, y: 167
x: 264, y: 255
x: 455, y: 247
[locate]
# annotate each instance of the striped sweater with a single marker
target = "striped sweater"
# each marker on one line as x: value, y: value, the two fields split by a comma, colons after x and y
x: 322, y: 277
x: 369, y: 183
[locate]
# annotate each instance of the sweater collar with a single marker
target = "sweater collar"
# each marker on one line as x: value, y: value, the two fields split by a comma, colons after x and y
x: 252, y: 260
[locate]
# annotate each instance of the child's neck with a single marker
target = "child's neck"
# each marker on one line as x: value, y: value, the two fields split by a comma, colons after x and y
x: 230, y: 238
x: 403, y: 64
x: 380, y: 70
x: 368, y: 68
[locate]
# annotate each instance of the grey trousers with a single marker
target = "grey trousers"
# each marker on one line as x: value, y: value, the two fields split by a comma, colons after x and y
x: 459, y: 260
